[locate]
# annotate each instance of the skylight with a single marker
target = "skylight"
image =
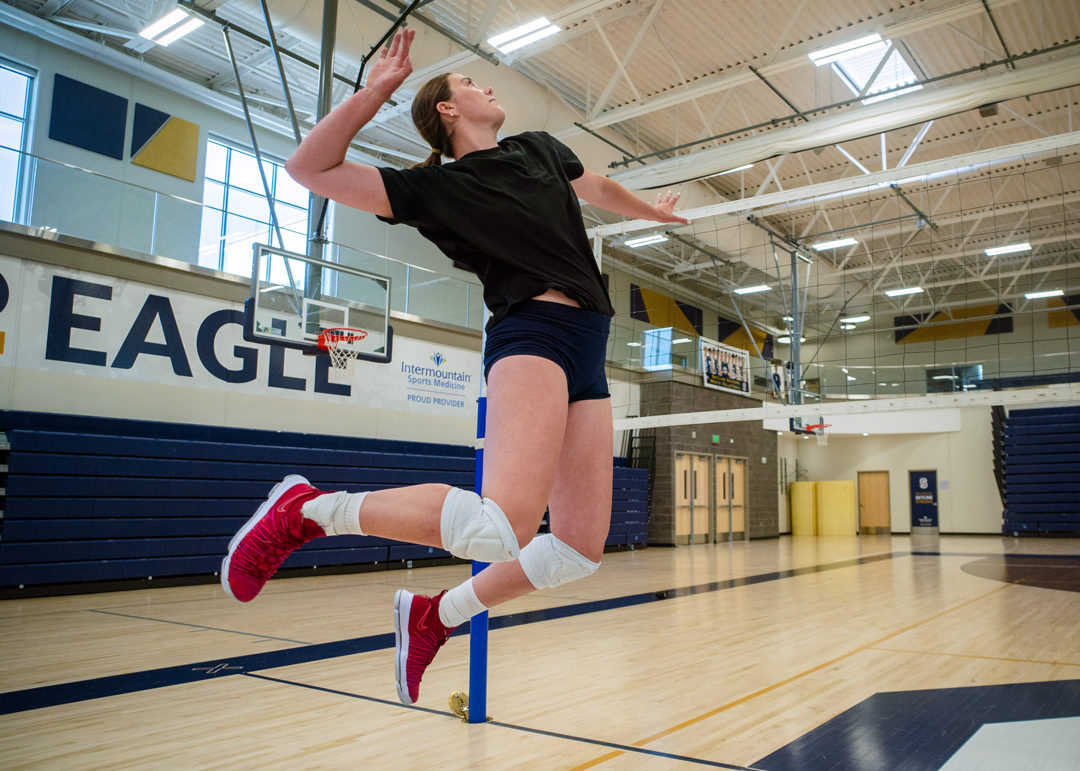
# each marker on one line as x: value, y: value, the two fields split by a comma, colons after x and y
x: 856, y: 68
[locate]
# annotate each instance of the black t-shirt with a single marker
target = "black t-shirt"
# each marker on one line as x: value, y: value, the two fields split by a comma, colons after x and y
x: 510, y: 215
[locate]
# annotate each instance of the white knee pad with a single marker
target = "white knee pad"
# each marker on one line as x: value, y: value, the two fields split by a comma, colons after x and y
x: 475, y: 528
x: 548, y: 562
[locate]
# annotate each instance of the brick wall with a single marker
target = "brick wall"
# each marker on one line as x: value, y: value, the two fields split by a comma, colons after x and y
x: 745, y: 439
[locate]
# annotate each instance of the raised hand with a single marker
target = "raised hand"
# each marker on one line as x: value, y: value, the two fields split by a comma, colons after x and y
x: 665, y: 208
x: 392, y: 66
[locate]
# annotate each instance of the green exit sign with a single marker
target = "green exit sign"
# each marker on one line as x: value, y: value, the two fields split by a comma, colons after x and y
x: 716, y: 439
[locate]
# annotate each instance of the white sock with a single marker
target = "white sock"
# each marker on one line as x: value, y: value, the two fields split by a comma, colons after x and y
x: 459, y: 605
x: 336, y: 513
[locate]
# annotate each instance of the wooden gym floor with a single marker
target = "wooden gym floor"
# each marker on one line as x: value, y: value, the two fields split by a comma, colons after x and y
x: 798, y: 653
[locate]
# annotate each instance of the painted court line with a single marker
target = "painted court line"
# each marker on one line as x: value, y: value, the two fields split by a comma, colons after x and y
x: 116, y: 685
x: 198, y: 626
x: 782, y: 683
x: 623, y: 748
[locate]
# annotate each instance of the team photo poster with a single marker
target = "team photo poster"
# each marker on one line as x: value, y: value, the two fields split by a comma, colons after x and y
x: 725, y: 368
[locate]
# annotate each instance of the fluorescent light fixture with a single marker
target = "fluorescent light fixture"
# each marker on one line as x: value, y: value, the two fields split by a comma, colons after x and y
x: 753, y: 289
x: 844, y: 370
x: 1011, y: 249
x: 179, y: 32
x: 834, y: 244
x: 732, y: 171
x: 786, y: 340
x: 854, y: 319
x: 904, y: 291
x: 634, y: 345
x: 655, y: 238
x: 519, y: 37
x: 849, y: 377
x: 861, y: 45
x: 681, y: 340
x: 847, y: 326
x: 1040, y: 295
x: 162, y: 24
x: 788, y: 318
x: 943, y: 377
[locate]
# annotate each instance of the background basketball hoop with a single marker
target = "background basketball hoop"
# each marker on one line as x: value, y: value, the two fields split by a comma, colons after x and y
x: 343, y: 345
x: 818, y: 430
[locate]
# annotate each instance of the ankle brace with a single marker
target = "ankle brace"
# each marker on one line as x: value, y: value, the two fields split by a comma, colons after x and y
x: 336, y: 513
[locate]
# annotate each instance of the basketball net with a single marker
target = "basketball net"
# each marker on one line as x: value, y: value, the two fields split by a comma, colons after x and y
x: 343, y: 345
x: 819, y: 431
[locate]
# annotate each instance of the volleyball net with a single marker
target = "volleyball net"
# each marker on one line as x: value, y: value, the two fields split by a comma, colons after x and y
x: 937, y: 284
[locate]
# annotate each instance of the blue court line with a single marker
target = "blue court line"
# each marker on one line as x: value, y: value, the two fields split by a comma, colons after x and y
x: 526, y: 729
x: 116, y: 685
x: 198, y: 626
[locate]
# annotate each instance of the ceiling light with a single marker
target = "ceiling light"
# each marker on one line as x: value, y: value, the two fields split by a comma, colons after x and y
x: 732, y: 171
x: 785, y: 340
x: 519, y: 37
x: 655, y: 238
x: 162, y: 24
x: 847, y: 326
x: 854, y: 319
x: 906, y: 290
x: 849, y: 377
x: 1039, y: 295
x: 861, y: 45
x: 844, y: 370
x: 179, y: 32
x: 943, y: 377
x: 834, y: 244
x: 788, y: 318
x: 753, y: 289
x: 1012, y: 248
x: 865, y: 434
x: 634, y: 345
x: 681, y: 340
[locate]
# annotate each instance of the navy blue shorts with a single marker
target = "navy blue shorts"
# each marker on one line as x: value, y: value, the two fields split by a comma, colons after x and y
x: 573, y: 338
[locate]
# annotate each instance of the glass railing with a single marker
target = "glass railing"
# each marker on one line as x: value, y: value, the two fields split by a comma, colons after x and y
x: 71, y: 201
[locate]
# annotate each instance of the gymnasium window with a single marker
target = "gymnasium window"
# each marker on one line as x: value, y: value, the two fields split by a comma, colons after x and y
x: 235, y: 214
x: 15, y: 95
x: 857, y: 68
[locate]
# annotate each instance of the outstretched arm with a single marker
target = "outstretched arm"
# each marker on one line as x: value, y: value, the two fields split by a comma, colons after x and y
x: 319, y: 162
x: 609, y: 194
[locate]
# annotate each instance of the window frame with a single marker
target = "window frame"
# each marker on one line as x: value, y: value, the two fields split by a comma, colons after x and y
x: 24, y: 172
x: 279, y: 165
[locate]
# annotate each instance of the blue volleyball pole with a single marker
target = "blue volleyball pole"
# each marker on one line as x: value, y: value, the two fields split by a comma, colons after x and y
x: 478, y: 626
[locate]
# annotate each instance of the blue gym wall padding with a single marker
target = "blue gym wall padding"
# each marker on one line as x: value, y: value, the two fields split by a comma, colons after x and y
x: 147, y: 122
x: 88, y: 117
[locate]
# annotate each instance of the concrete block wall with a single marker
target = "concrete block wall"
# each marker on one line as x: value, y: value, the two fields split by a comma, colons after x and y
x: 747, y: 439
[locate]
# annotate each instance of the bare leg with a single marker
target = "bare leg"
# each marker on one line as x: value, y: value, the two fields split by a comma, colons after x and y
x: 580, y: 500
x: 526, y: 418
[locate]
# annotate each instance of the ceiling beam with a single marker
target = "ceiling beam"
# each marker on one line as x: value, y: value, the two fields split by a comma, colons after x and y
x: 886, y: 115
x: 811, y: 195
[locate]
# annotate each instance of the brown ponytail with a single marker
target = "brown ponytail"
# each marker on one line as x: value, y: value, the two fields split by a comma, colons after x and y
x: 429, y: 122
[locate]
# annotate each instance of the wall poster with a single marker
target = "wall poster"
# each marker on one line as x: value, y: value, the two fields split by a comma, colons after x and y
x: 725, y: 368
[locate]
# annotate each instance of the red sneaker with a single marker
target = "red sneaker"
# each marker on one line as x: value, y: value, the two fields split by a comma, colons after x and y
x: 275, y: 531
x: 419, y: 633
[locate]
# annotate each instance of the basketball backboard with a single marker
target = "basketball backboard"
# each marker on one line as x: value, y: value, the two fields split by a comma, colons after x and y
x: 294, y: 297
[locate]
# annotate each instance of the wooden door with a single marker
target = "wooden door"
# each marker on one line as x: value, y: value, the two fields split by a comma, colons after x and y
x: 723, y: 499
x: 875, y: 517
x: 730, y: 499
x: 738, y: 499
x: 700, y: 489
x: 683, y: 497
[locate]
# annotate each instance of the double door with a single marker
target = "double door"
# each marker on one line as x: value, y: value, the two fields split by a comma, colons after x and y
x: 693, y: 499
x: 710, y: 498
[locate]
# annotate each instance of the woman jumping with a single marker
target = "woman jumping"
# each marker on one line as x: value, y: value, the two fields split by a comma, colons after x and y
x: 509, y: 211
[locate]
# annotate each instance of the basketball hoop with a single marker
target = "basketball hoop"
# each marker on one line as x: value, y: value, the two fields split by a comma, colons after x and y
x: 343, y: 345
x: 818, y: 430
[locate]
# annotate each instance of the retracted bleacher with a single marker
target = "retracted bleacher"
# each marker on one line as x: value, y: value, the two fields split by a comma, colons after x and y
x: 1042, y: 471
x: 98, y: 499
